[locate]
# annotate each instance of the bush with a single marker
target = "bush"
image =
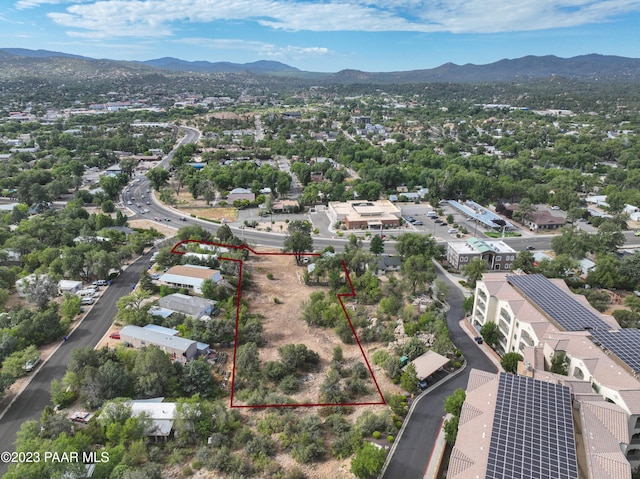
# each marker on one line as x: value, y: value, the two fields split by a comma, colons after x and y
x: 376, y: 434
x: 270, y: 276
x: 390, y: 438
x: 276, y: 300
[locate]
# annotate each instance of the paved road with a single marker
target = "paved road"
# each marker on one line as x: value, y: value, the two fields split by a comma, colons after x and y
x: 37, y: 394
x: 414, y: 449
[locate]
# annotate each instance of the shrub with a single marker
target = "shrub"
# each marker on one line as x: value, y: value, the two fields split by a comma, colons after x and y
x: 376, y: 434
x: 390, y: 438
x: 277, y: 300
x: 269, y: 275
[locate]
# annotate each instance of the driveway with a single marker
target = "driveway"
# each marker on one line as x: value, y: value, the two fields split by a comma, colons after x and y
x: 413, y: 450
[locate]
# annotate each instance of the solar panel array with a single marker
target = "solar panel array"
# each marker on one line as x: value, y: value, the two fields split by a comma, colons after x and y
x: 532, y: 435
x: 563, y: 308
x: 624, y: 343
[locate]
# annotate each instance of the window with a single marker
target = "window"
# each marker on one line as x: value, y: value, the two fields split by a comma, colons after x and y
x: 498, y: 258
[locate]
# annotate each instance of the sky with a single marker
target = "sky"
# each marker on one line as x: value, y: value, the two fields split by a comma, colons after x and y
x: 325, y: 35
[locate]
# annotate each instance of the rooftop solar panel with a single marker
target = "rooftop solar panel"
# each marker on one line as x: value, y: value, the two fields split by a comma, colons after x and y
x: 562, y: 308
x: 624, y: 343
x: 532, y: 435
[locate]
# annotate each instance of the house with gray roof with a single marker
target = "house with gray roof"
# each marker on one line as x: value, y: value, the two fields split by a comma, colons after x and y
x: 178, y: 349
x: 193, y: 306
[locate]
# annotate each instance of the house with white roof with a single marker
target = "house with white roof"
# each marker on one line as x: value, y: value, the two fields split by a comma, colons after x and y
x: 189, y: 276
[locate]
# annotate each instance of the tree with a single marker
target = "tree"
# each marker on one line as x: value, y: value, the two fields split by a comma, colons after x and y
x: 524, y: 261
x: 453, y: 403
x: 409, y: 379
x: 40, y: 290
x: 368, y: 461
x: 70, y: 306
x: 377, y: 245
x: 490, y: 333
x: 158, y: 177
x: 559, y: 363
x: 413, y: 244
x: 474, y: 270
x: 196, y: 378
x: 298, y: 239
x: 154, y: 372
x: 510, y: 361
x: 224, y: 233
x: 418, y: 271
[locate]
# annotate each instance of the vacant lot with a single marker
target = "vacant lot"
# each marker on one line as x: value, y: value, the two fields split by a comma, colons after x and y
x: 280, y: 301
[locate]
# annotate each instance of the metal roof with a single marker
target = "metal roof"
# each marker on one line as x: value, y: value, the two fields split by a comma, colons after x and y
x: 156, y: 338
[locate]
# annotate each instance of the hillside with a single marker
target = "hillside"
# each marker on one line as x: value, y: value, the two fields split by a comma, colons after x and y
x: 18, y: 63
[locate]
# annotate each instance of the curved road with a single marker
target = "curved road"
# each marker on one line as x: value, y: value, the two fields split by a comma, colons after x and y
x: 413, y: 451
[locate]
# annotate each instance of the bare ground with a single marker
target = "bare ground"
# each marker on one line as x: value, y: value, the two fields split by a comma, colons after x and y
x: 282, y: 324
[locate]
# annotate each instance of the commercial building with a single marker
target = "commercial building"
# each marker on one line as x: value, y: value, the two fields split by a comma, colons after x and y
x: 371, y: 215
x: 178, y: 349
x: 497, y: 254
x: 189, y: 276
x: 541, y: 318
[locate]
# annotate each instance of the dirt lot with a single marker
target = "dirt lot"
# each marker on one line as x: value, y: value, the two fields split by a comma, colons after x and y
x: 163, y: 228
x: 282, y: 323
x: 199, y: 208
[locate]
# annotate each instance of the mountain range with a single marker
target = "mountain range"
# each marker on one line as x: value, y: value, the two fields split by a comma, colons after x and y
x: 591, y: 67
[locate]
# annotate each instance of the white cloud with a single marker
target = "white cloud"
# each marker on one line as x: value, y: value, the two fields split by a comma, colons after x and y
x: 263, y: 49
x: 26, y: 4
x: 155, y: 18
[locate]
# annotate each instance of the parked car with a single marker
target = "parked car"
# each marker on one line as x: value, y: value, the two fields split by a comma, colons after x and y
x: 453, y: 231
x: 418, y: 223
x: 81, y: 416
x: 99, y: 282
x: 115, y: 335
x: 637, y: 233
x: 31, y: 364
x: 87, y: 301
x: 478, y: 339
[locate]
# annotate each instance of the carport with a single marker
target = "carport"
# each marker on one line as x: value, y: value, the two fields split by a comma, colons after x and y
x: 428, y: 363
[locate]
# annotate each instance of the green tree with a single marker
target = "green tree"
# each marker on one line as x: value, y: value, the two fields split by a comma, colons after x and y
x: 418, y: 271
x: 196, y: 378
x: 409, y: 379
x: 525, y: 261
x: 453, y: 403
x: 158, y: 177
x: 510, y: 361
x: 368, y: 461
x: 153, y: 372
x: 377, y: 245
x: 298, y: 239
x: 70, y: 306
x: 414, y: 244
x: 559, y: 363
x: 474, y: 270
x: 490, y: 333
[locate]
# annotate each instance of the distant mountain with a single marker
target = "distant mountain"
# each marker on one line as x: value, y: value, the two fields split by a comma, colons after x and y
x: 260, y: 67
x: 24, y: 52
x: 15, y: 62
x: 585, y: 67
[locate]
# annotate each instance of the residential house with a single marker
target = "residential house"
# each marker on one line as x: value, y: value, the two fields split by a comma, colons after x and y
x: 193, y: 306
x: 388, y: 263
x: 544, y: 220
x: 241, y: 194
x: 189, y: 276
x: 178, y: 349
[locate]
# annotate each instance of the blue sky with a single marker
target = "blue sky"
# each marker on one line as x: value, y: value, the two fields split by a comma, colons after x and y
x: 325, y: 35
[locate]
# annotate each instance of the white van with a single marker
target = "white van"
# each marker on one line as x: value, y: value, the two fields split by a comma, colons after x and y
x: 88, y: 300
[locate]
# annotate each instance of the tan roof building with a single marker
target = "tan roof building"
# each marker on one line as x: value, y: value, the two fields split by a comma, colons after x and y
x: 374, y: 215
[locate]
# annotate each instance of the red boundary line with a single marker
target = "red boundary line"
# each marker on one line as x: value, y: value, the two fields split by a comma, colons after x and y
x: 235, y: 342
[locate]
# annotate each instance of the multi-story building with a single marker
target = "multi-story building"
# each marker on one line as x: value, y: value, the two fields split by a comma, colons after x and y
x: 541, y: 318
x: 497, y: 254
